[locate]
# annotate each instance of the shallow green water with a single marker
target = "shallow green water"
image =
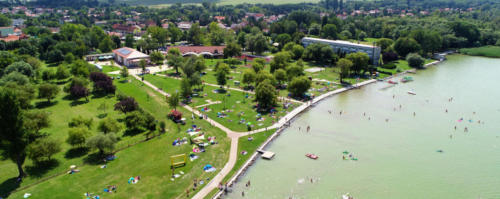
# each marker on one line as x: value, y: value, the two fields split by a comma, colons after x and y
x: 398, y: 158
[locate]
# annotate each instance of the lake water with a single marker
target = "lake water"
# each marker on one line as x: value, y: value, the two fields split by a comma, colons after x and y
x: 408, y: 156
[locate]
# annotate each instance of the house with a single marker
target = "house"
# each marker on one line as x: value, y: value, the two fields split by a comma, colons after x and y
x: 208, y: 51
x: 219, y: 18
x: 129, y: 57
x: 14, y: 38
x: 125, y: 29
x: 6, y: 31
x: 185, y: 25
x: 18, y: 22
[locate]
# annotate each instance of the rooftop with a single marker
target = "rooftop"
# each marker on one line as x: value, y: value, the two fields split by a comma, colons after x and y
x: 338, y: 42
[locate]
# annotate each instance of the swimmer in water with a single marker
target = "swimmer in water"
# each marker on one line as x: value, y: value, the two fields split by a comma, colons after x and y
x: 414, y: 114
x: 446, y: 111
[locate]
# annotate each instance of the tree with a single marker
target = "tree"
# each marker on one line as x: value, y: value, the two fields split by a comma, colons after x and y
x: 294, y: 71
x: 80, y: 68
x: 415, y: 60
x: 257, y: 43
x: 158, y: 33
x: 232, y: 49
x: 157, y: 58
x: 299, y: 85
x: 265, y: 95
x: 78, y: 92
x: 280, y: 76
x: 129, y: 40
x: 102, y: 83
x: 186, y: 90
x: 257, y: 66
x: 359, y: 61
x: 248, y: 77
x: 389, y: 56
x: 105, y: 143
x: 124, y: 72
x: 48, y: 91
x: 280, y: 61
x: 173, y: 100
x: 62, y: 72
x: 282, y: 39
x: 4, y: 21
x: 77, y: 136
x: 345, y: 67
x: 43, y: 148
x: 221, y: 73
x: 143, y: 64
x: 329, y: 31
x: 69, y: 58
x: 13, y: 136
x: 195, y: 35
x: 318, y: 52
x: 315, y: 29
x: 109, y: 125
x: 174, y: 33
x: 126, y: 105
x: 405, y: 45
x: 24, y: 92
x: 139, y: 120
x: 175, y: 59
x: 384, y: 44
x: 20, y: 67
x: 6, y: 58
x: 106, y: 45
x: 264, y: 75
x: 34, y: 121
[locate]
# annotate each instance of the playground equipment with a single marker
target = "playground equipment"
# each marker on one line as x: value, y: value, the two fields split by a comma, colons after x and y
x: 178, y: 160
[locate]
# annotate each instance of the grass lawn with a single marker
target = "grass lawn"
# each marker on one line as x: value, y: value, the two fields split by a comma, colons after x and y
x: 149, y: 159
x: 485, y: 51
x: 234, y: 101
x: 106, y: 69
x: 401, y: 66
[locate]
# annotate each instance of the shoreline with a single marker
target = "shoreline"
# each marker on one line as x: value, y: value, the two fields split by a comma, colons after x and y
x: 241, y: 171
x: 296, y: 112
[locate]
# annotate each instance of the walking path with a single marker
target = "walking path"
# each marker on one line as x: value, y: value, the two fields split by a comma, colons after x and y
x: 234, y: 136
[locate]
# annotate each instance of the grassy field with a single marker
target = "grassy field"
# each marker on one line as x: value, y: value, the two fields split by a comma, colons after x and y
x: 149, y: 159
x: 234, y: 104
x: 485, y: 51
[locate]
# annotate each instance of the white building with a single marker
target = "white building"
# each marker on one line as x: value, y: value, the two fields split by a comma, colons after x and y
x: 347, y: 47
x: 129, y: 57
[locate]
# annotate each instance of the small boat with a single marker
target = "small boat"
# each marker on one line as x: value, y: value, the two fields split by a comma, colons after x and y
x: 411, y: 93
x: 392, y: 82
x: 312, y: 156
x: 407, y: 79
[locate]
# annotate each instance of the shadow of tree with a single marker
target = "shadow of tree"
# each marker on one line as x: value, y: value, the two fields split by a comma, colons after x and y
x: 94, y: 159
x: 41, y: 168
x: 45, y: 104
x: 102, y: 115
x: 8, y: 186
x: 78, y: 102
x: 132, y: 132
x: 76, y: 152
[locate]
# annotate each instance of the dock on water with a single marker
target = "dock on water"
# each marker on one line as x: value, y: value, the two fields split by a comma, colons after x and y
x: 266, y: 154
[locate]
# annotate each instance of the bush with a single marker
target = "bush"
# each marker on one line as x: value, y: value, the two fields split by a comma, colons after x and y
x: 43, y: 148
x: 105, y: 143
x: 109, y: 125
x: 127, y: 105
x: 81, y: 122
x: 77, y: 136
x: 389, y: 66
x: 415, y: 60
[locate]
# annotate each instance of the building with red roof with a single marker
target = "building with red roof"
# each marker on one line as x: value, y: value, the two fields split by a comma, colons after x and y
x: 129, y: 57
x: 209, y: 51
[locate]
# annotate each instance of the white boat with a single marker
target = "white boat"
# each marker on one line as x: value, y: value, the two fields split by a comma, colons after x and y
x: 411, y: 93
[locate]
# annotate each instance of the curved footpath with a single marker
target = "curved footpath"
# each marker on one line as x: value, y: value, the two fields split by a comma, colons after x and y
x: 234, y: 136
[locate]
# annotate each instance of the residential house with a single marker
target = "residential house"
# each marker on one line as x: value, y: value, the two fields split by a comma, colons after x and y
x: 185, y: 25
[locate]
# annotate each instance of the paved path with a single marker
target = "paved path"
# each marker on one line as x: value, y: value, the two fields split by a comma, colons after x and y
x: 234, y: 136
